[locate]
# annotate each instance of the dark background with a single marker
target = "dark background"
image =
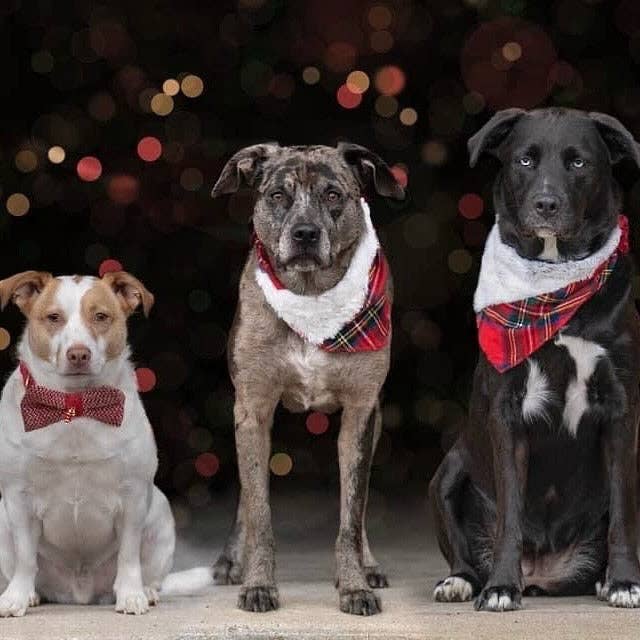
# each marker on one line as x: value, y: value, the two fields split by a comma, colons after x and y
x: 82, y: 74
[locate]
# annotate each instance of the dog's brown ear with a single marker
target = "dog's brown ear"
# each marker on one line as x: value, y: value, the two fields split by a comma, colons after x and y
x: 131, y: 293
x: 22, y: 289
x: 370, y: 168
x: 493, y: 134
x: 243, y: 168
x: 617, y: 137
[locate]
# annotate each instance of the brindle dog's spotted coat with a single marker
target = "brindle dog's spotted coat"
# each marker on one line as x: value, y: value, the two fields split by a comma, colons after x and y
x: 322, y: 187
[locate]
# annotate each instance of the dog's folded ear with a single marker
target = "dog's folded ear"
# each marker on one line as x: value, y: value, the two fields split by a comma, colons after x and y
x: 617, y: 137
x: 131, y: 293
x: 22, y: 289
x: 243, y: 168
x: 493, y: 134
x: 370, y: 169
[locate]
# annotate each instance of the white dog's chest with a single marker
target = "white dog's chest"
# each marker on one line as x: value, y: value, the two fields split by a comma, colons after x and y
x: 308, y: 378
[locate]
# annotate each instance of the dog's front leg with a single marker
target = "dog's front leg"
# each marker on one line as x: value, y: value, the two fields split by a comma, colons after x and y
x: 26, y: 529
x: 128, y: 587
x: 253, y: 419
x: 503, y: 589
x: 622, y: 586
x: 355, y: 451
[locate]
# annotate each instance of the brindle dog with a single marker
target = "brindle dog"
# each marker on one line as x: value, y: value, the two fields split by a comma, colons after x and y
x: 308, y: 216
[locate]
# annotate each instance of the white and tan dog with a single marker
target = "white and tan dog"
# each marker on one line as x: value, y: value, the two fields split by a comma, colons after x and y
x: 80, y: 518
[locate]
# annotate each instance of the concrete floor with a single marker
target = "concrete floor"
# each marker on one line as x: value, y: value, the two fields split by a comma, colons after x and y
x: 305, y: 526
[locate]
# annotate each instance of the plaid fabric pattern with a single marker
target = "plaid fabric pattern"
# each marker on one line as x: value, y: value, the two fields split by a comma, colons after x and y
x: 42, y: 407
x: 370, y: 329
x: 509, y: 333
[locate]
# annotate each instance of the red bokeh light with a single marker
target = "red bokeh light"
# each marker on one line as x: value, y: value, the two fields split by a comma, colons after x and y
x: 207, y: 464
x: 109, y: 266
x: 149, y: 149
x: 471, y: 206
x: 390, y: 80
x: 146, y: 379
x: 317, y: 423
x: 347, y: 98
x: 89, y: 168
x: 123, y: 189
x: 400, y: 174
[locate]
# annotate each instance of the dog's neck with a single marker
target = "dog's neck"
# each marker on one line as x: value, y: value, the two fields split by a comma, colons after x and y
x: 118, y: 372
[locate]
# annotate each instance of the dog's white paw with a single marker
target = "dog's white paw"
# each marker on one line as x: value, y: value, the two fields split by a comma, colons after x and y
x: 14, y: 603
x: 499, y: 598
x: 133, y: 602
x: 152, y: 596
x: 453, y: 589
x: 625, y: 595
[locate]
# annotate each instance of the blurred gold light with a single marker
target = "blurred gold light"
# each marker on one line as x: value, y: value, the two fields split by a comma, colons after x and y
x: 281, y: 464
x: 434, y: 153
x: 512, y: 51
x: 473, y: 102
x: 408, y: 117
x: 56, y: 155
x: 358, y: 82
x: 381, y: 41
x: 171, y: 87
x: 162, y: 104
x: 386, y: 106
x: 145, y: 97
x: 311, y: 75
x: 380, y: 17
x: 26, y: 160
x: 18, y: 204
x: 460, y: 261
x: 5, y: 338
x: 192, y: 86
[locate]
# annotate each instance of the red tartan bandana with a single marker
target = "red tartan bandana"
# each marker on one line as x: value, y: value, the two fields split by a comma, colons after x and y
x: 370, y: 328
x: 42, y: 407
x: 510, y: 332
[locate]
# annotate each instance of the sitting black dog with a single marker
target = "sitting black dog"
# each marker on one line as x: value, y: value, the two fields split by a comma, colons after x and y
x: 538, y: 494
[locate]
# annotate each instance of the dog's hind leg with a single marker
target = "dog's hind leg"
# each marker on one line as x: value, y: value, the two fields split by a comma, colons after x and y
x: 355, y: 450
x: 444, y: 494
x: 7, y: 553
x: 375, y: 576
x: 228, y: 567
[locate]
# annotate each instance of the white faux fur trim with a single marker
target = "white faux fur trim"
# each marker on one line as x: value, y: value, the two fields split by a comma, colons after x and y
x: 318, y: 318
x: 506, y: 277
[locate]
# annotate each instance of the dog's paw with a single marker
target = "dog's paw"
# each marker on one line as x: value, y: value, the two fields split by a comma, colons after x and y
x: 152, y: 596
x: 132, y: 602
x: 226, y: 571
x: 258, y: 599
x: 499, y: 598
x: 360, y: 602
x: 14, y: 603
x: 376, y: 579
x: 453, y: 589
x: 619, y: 594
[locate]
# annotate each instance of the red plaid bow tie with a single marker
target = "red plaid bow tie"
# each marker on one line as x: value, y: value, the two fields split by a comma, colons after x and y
x: 369, y: 330
x: 510, y: 332
x: 42, y: 407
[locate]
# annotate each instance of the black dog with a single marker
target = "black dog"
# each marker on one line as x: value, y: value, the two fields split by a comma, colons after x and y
x: 538, y: 494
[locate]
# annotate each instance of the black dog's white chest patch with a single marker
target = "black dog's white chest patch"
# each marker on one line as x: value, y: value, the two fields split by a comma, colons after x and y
x: 538, y: 393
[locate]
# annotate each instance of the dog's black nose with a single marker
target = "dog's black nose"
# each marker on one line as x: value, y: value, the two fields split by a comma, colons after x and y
x: 305, y: 233
x: 547, y: 205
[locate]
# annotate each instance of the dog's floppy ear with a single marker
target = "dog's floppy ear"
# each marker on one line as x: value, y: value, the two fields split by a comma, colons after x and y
x: 617, y: 137
x: 22, y: 289
x: 243, y: 168
x: 492, y: 135
x: 131, y: 293
x: 370, y: 168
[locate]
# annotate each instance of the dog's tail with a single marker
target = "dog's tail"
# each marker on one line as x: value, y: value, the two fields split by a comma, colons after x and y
x: 187, y: 583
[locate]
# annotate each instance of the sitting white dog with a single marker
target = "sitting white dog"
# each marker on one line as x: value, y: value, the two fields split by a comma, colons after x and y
x: 80, y: 518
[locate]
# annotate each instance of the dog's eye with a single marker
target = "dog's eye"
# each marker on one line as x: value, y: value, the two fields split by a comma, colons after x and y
x: 277, y: 196
x: 578, y: 163
x: 526, y: 161
x: 101, y: 317
x: 333, y: 196
x: 54, y: 318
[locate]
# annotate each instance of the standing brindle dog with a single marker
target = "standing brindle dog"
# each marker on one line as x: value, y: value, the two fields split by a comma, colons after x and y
x: 309, y: 218
x: 538, y: 494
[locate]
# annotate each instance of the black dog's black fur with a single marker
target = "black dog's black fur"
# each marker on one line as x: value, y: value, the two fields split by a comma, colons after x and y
x: 515, y: 495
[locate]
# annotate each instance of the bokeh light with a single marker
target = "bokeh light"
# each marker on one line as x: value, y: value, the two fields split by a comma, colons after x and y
x: 380, y: 16
x: 191, y: 179
x: 89, y: 169
x: 390, y: 80
x: 357, y: 82
x: 207, y: 464
x: 161, y: 104
x: 5, y: 338
x: 401, y: 174
x: 470, y: 206
x: 460, y: 261
x: 311, y: 75
x: 171, y: 87
x: 408, y: 116
x: 149, y: 149
x: 123, y: 189
x: 102, y: 107
x: 56, y: 154
x: 109, y: 266
x: 18, y: 204
x: 192, y: 86
x: 146, y: 379
x: 317, y: 423
x: 346, y: 98
x: 386, y: 106
x: 381, y: 41
x: 434, y: 153
x: 281, y: 464
x: 26, y: 161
